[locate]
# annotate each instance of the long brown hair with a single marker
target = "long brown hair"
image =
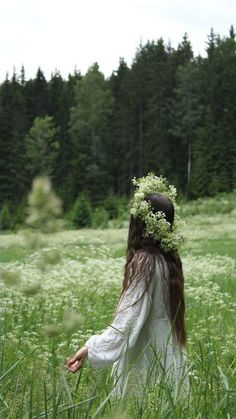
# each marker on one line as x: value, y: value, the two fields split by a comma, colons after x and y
x: 147, y: 250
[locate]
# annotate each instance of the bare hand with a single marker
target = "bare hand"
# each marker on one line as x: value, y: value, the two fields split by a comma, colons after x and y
x: 75, y: 363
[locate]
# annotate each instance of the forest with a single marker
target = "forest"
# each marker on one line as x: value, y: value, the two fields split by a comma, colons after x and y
x: 169, y: 112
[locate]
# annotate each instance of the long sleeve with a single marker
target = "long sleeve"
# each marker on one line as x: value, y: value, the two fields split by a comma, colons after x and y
x: 108, y: 347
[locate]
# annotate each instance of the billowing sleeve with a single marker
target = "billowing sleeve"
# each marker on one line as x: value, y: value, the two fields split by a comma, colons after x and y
x: 108, y: 347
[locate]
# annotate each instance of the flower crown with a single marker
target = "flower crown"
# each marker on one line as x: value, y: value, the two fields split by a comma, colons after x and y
x: 156, y: 226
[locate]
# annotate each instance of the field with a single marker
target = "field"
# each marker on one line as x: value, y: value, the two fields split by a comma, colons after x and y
x: 58, y: 289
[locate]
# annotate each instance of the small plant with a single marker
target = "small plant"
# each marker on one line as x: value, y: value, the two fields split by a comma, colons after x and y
x: 100, y: 218
x: 82, y: 212
x: 20, y: 214
x: 5, y: 218
x: 44, y: 206
x: 111, y: 205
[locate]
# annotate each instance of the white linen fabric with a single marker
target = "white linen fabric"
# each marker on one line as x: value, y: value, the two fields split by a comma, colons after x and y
x: 140, y: 342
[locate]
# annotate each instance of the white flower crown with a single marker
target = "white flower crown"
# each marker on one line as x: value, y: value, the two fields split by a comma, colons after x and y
x: 156, y: 226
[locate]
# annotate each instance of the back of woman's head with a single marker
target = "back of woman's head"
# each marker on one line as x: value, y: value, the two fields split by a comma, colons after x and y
x: 160, y: 202
x: 136, y: 237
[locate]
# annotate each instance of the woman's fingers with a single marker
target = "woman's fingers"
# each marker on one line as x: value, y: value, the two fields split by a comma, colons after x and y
x: 71, y: 361
x: 75, y: 363
x: 75, y: 366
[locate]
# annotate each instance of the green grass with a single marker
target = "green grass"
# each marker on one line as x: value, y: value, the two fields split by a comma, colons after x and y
x: 220, y: 246
x: 14, y: 253
x: 81, y: 271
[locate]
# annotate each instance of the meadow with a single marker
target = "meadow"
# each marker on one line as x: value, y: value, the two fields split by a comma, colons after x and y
x: 58, y: 289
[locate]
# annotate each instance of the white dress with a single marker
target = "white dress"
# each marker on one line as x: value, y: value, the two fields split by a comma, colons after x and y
x: 140, y: 342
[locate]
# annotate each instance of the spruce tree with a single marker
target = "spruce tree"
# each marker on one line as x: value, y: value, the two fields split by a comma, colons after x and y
x: 120, y: 149
x: 13, y: 126
x: 41, y: 147
x: 88, y: 129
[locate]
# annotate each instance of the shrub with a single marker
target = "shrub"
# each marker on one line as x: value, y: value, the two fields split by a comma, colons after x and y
x: 20, y: 214
x: 100, y: 218
x: 81, y: 215
x: 111, y: 205
x: 223, y: 203
x: 5, y: 218
x: 123, y: 213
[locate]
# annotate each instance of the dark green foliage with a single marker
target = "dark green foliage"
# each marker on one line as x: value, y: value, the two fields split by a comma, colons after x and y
x: 37, y: 96
x: 88, y: 134
x: 13, y: 126
x: 81, y: 214
x: 122, y: 145
x: 100, y: 218
x: 222, y: 203
x: 205, y: 174
x: 186, y: 116
x: 5, y: 218
x: 169, y: 112
x: 20, y: 215
x: 41, y: 147
x: 111, y: 205
x: 61, y: 99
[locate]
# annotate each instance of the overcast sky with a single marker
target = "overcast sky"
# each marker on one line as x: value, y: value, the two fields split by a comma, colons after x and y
x: 64, y: 34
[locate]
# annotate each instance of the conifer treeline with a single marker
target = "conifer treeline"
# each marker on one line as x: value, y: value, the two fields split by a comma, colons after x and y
x: 170, y: 112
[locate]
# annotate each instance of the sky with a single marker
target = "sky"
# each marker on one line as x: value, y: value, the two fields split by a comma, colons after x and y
x: 68, y: 34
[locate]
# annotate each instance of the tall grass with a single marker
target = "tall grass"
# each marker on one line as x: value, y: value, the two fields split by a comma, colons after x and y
x: 58, y: 294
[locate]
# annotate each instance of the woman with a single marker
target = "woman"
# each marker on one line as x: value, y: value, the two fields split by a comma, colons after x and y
x: 147, y: 338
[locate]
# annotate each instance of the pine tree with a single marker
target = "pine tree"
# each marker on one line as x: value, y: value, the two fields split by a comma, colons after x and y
x: 59, y: 109
x: 205, y: 174
x: 120, y: 149
x: 161, y: 79
x: 220, y: 93
x: 88, y: 128
x: 82, y: 212
x: 41, y: 147
x: 37, y: 96
x: 13, y: 125
x: 186, y: 114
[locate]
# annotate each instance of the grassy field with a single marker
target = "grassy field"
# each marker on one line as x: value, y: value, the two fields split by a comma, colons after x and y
x: 58, y: 291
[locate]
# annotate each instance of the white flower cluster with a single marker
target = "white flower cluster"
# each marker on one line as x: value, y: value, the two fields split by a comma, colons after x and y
x: 156, y: 226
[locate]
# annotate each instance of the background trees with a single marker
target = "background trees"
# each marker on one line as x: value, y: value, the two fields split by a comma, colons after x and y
x: 41, y: 147
x: 169, y: 112
x: 89, y: 119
